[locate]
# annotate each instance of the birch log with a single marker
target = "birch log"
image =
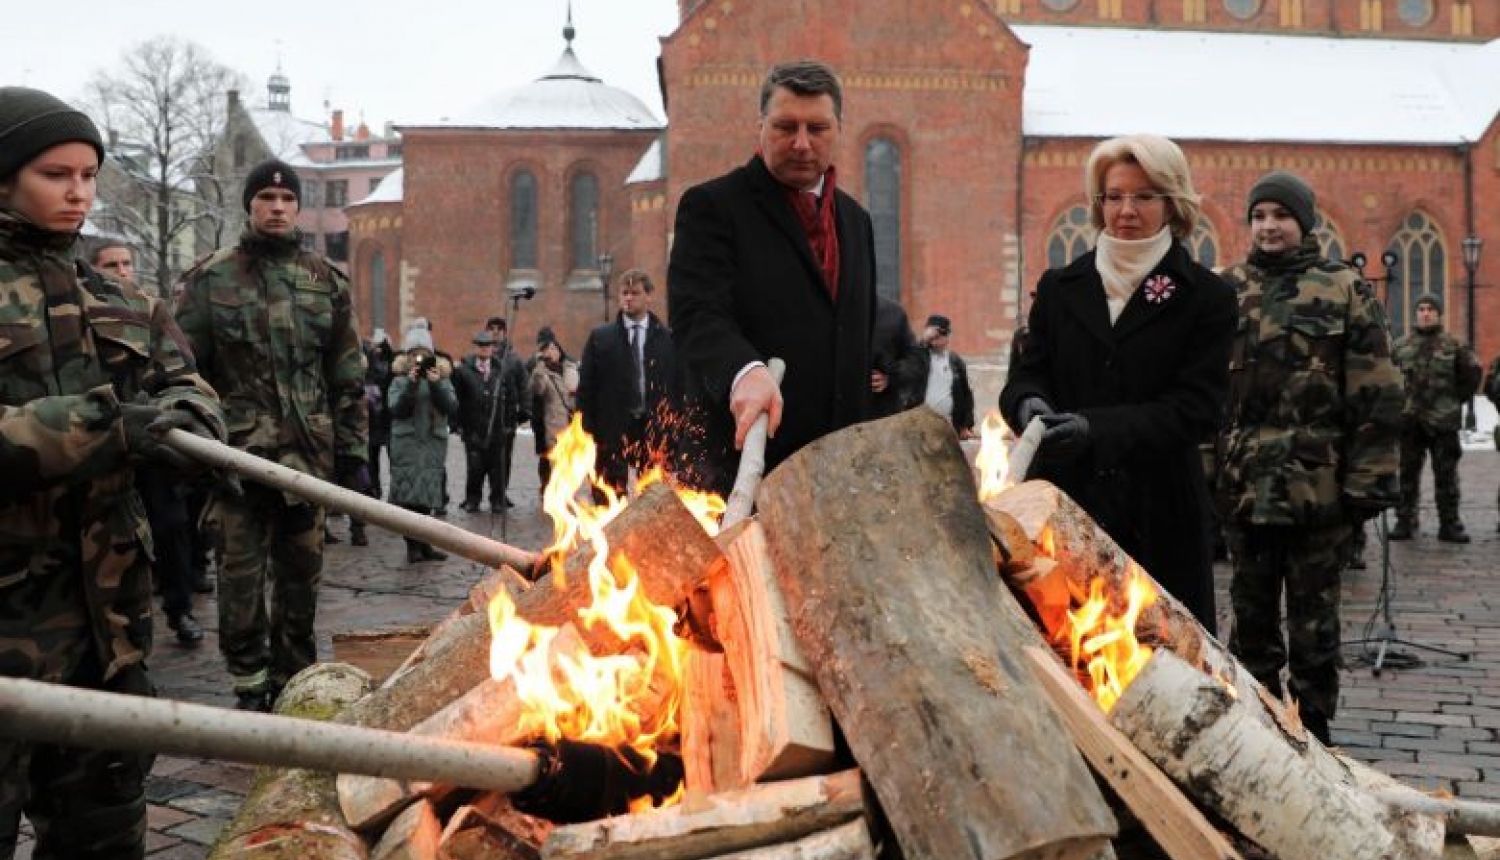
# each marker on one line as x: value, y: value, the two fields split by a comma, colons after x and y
x: 882, y: 553
x: 849, y: 841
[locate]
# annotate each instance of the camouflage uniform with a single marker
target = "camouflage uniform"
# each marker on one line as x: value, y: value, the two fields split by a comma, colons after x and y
x: 1492, y: 391
x: 1309, y: 449
x: 75, y: 547
x: 1441, y: 373
x: 273, y: 331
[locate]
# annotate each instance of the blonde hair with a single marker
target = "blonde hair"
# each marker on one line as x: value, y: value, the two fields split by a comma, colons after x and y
x: 1165, y: 166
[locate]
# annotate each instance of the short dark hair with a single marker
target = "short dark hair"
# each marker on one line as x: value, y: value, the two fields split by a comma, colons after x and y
x: 496, y: 322
x: 804, y: 78
x: 102, y: 245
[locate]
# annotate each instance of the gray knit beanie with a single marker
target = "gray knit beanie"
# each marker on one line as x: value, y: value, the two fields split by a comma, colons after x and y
x: 1290, y: 191
x: 1431, y: 299
x: 31, y: 122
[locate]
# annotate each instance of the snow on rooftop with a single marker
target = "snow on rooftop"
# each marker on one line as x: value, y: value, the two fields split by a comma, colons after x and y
x: 649, y: 168
x: 390, y: 190
x: 1191, y: 85
x: 285, y: 134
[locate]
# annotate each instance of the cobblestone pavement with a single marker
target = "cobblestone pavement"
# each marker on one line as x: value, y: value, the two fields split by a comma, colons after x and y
x: 1434, y: 723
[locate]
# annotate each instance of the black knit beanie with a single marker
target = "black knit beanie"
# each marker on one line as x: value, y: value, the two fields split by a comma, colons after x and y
x: 271, y: 174
x: 32, y: 122
x: 1431, y: 299
x: 1290, y: 191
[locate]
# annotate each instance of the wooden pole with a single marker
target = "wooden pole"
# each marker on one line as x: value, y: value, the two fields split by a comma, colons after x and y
x: 752, y: 461
x: 399, y: 520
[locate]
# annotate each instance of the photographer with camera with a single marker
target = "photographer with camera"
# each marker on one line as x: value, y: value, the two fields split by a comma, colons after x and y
x: 491, y: 386
x: 421, y: 400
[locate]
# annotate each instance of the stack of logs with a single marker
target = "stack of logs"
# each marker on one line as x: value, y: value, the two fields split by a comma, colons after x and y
x: 880, y: 692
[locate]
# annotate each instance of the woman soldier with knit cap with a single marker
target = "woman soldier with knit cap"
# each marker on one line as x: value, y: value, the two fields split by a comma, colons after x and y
x: 91, y: 373
x: 1309, y: 450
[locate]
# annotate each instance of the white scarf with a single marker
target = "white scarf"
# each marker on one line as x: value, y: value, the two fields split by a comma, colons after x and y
x: 1124, y: 263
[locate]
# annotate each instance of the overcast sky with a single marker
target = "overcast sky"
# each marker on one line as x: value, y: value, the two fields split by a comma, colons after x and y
x: 385, y: 60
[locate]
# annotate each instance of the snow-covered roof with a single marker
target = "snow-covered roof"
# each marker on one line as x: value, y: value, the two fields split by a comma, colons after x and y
x: 567, y: 97
x: 390, y: 190
x: 649, y: 168
x: 285, y: 134
x: 1192, y: 85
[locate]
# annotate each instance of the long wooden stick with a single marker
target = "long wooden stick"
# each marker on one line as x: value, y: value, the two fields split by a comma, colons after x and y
x: 399, y: 520
x: 68, y: 716
x: 752, y: 461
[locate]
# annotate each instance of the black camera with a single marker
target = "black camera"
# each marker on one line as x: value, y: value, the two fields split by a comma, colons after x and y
x: 425, y: 362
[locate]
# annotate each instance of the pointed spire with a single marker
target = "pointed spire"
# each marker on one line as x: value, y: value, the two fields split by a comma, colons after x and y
x: 568, y: 30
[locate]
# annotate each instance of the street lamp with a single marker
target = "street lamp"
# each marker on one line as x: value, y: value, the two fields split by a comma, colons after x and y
x: 1389, y: 259
x: 1472, y: 246
x: 606, y: 268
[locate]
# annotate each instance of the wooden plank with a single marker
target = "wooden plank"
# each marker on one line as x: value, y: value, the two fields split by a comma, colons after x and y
x: 710, y: 720
x: 413, y: 835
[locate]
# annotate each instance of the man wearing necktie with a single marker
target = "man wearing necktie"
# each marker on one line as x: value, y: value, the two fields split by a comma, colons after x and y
x: 491, y: 386
x: 772, y: 260
x: 627, y: 386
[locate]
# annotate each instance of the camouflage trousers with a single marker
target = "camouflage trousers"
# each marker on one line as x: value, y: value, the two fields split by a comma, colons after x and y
x: 271, y: 562
x: 83, y: 804
x: 1416, y: 441
x: 1305, y: 563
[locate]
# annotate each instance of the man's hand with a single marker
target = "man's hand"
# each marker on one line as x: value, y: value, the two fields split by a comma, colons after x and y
x: 878, y: 381
x: 146, y: 424
x: 756, y: 394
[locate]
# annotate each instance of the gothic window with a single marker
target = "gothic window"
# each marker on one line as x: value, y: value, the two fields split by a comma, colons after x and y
x: 583, y: 227
x: 1422, y: 268
x: 1060, y: 5
x: 377, y: 290
x: 523, y: 220
x: 1244, y: 10
x: 1328, y: 238
x: 1415, y: 13
x: 883, y: 188
x: 1072, y: 237
x: 1204, y: 245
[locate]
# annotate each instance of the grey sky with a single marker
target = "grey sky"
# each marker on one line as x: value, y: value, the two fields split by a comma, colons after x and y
x: 383, y: 60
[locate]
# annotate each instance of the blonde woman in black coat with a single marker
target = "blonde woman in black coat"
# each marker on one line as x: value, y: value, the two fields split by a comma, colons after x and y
x: 1127, y: 364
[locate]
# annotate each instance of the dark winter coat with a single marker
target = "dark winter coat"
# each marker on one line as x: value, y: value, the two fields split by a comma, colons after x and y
x: 419, y: 434
x: 606, y: 382
x: 963, y: 394
x: 488, y: 407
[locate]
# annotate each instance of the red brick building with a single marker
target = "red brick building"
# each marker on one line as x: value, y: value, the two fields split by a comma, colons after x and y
x: 966, y: 126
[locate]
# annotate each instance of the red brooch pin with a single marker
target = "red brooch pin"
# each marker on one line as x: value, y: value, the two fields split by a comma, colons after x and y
x: 1159, y: 288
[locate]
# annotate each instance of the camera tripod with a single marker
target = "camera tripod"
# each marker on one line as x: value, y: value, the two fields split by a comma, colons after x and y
x: 1377, y: 650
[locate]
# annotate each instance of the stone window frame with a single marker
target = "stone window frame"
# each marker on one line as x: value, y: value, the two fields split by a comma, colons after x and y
x: 1330, y: 237
x: 1071, y: 236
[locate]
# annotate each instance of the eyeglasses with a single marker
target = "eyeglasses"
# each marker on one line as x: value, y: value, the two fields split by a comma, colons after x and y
x: 1116, y: 199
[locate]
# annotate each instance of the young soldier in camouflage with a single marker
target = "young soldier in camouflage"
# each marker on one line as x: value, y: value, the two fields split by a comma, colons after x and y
x: 1441, y: 374
x: 91, y: 371
x: 1309, y: 449
x: 273, y: 331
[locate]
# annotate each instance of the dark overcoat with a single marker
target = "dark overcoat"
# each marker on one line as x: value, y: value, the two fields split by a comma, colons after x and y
x: 606, y: 382
x: 1152, y: 387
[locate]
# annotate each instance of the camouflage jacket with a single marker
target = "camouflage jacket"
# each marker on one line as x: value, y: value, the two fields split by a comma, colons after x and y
x: 1441, y: 374
x: 273, y: 330
x: 1313, y: 416
x: 74, y: 541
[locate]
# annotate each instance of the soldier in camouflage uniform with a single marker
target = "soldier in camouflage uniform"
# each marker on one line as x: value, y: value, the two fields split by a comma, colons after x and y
x: 1441, y: 374
x: 1492, y: 391
x: 91, y: 371
x: 1309, y: 446
x: 273, y: 331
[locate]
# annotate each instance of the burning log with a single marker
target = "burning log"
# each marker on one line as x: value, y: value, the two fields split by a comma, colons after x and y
x: 716, y: 824
x: 849, y: 841
x: 292, y: 814
x: 503, y: 578
x: 491, y: 829
x: 414, y: 835
x: 1197, y: 730
x: 710, y: 724
x: 668, y: 569
x: 785, y: 729
x: 893, y: 598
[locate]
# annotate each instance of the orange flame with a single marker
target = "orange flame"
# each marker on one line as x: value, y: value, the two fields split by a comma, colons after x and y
x: 993, y: 460
x: 1105, y: 643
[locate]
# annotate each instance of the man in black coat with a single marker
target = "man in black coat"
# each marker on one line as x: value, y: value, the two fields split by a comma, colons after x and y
x: 491, y: 394
x: 627, y: 386
x: 893, y: 376
x: 771, y: 260
x: 942, y: 377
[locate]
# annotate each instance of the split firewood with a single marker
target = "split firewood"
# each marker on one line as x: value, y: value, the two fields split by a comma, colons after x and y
x: 882, y: 553
x: 1171, y: 819
x: 492, y: 829
x: 413, y: 835
x: 293, y: 814
x: 710, y: 725
x: 785, y: 729
x: 502, y: 579
x: 1220, y: 749
x: 716, y: 824
x: 849, y: 841
x: 666, y: 545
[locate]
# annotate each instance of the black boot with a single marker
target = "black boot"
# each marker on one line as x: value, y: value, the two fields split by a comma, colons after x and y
x: 254, y: 700
x: 328, y: 536
x: 189, y: 631
x: 1402, y: 531
x: 1453, y: 533
x: 357, y: 536
x: 414, y: 554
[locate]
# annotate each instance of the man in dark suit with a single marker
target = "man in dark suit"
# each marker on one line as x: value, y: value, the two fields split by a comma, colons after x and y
x: 894, y: 374
x: 627, y: 385
x: 772, y: 260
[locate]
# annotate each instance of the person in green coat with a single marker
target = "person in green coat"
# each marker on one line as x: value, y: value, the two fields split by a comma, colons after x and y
x: 421, y: 400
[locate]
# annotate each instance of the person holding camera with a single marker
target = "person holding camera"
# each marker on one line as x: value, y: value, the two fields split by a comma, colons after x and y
x: 421, y: 399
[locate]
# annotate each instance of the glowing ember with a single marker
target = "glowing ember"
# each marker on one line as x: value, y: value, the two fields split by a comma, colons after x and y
x: 1105, y: 643
x: 993, y: 460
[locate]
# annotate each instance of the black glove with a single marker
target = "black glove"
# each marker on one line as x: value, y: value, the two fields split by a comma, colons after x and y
x: 1066, y: 438
x: 1030, y: 408
x: 145, y: 425
x: 352, y: 473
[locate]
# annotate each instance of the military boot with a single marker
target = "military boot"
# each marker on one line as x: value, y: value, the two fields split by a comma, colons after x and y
x: 1453, y: 533
x: 357, y: 536
x: 189, y: 631
x: 414, y: 554
x: 1403, y: 530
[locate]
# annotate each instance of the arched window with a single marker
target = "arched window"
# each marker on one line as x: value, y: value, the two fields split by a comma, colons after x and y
x: 1072, y: 237
x: 583, y: 227
x: 1421, y: 268
x: 883, y: 192
x: 523, y: 220
x: 1328, y: 238
x: 1204, y: 245
x: 377, y: 290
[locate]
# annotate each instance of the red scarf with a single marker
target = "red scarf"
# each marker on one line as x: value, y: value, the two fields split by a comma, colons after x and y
x: 821, y: 228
